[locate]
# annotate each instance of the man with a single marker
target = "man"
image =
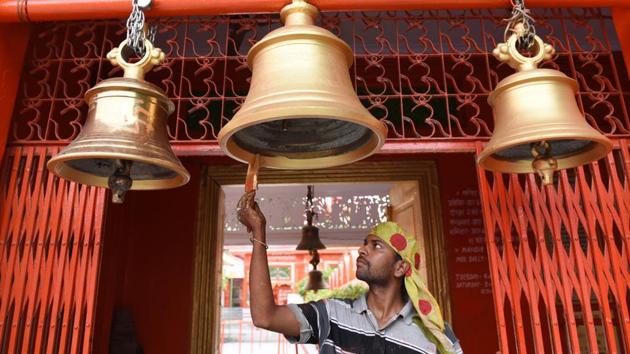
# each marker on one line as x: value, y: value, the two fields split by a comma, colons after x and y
x: 398, y: 314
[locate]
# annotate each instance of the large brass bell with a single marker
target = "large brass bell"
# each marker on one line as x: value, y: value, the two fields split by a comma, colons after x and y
x: 538, y: 125
x: 301, y: 111
x: 124, y: 144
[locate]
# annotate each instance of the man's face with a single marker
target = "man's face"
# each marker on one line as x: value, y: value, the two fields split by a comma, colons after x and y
x: 376, y: 263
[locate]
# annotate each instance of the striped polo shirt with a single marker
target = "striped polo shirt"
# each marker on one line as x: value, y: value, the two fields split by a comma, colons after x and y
x: 350, y: 327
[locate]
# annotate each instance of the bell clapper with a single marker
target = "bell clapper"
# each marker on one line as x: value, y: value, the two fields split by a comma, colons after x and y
x: 120, y: 182
x: 544, y: 164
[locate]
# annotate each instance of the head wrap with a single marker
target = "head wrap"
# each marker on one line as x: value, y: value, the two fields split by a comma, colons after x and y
x: 429, y: 317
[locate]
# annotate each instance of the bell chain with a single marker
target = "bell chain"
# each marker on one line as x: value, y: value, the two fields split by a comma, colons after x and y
x: 136, y: 33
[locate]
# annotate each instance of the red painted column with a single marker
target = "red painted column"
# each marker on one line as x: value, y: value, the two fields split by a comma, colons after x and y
x: 13, y: 43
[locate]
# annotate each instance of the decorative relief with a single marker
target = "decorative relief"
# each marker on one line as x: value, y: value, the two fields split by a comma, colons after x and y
x: 426, y: 74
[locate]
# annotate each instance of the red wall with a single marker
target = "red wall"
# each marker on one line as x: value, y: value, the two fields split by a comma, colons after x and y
x: 147, y: 267
x: 469, y: 278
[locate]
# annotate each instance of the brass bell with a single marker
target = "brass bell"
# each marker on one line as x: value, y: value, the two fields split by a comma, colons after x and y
x: 310, y: 239
x: 310, y: 234
x: 316, y: 281
x: 301, y: 111
x: 538, y: 125
x: 124, y: 143
x: 315, y: 277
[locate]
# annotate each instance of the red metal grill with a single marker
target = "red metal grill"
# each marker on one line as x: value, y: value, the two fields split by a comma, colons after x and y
x: 427, y: 74
x: 559, y: 258
x: 50, y: 235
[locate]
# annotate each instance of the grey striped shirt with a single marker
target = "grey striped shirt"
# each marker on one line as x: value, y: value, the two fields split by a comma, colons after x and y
x: 350, y: 327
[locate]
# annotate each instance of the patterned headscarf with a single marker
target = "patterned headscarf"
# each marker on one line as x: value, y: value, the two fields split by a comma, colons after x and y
x: 429, y: 317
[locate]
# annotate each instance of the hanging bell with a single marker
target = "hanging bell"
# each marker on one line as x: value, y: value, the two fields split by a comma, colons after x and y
x: 538, y: 124
x: 124, y: 144
x: 316, y: 281
x: 315, y: 277
x: 310, y: 239
x: 301, y: 111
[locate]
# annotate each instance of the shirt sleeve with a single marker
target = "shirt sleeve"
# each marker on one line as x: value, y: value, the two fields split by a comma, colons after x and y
x: 451, y: 336
x: 311, y: 316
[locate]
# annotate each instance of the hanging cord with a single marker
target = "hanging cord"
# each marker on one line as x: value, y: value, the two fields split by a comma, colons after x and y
x: 137, y: 32
x: 310, y: 213
x: 521, y: 14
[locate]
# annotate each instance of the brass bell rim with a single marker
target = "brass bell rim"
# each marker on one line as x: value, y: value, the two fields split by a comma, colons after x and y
x: 127, y: 87
x: 58, y: 165
x: 232, y: 149
x: 600, y: 147
x: 531, y: 77
x: 308, y: 34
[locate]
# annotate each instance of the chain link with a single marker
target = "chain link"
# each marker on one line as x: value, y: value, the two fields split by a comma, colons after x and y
x: 521, y: 14
x: 136, y: 32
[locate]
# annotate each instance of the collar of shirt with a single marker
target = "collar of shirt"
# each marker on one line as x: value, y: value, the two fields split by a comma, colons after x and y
x: 407, y: 312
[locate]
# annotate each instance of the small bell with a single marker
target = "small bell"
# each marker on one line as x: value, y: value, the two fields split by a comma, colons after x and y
x: 538, y: 124
x: 316, y: 281
x: 301, y: 111
x: 310, y: 234
x: 315, y: 277
x: 124, y: 143
x: 310, y: 239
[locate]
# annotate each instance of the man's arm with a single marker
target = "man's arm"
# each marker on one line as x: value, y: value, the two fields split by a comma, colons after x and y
x: 265, y: 313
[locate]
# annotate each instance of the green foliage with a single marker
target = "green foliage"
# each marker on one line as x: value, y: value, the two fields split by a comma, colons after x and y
x: 351, y: 291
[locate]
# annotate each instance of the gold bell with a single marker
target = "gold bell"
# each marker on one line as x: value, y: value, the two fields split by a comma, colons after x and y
x: 301, y: 111
x: 124, y: 144
x: 538, y: 125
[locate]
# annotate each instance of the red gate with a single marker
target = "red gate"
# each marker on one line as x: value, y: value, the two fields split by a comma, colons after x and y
x: 50, y: 235
x: 559, y: 257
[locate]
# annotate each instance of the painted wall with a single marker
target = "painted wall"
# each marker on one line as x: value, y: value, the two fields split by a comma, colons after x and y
x: 148, y: 267
x: 469, y: 278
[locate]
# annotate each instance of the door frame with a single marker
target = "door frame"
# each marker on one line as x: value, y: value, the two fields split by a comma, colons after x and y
x: 209, y: 240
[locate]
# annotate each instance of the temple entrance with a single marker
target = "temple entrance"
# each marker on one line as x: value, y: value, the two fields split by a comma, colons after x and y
x: 404, y: 191
x: 344, y: 214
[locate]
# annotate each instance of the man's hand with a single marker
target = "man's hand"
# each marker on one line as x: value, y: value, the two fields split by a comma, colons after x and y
x: 249, y: 213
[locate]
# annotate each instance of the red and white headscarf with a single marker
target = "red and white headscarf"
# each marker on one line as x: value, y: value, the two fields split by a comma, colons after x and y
x: 429, y: 317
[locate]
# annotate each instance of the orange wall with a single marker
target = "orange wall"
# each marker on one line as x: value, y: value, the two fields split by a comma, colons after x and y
x: 147, y: 267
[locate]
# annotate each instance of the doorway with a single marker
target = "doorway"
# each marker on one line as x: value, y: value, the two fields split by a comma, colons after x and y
x: 415, y: 200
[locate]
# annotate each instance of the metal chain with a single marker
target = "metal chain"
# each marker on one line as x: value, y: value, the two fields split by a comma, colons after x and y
x: 136, y: 32
x: 310, y: 213
x: 521, y: 14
